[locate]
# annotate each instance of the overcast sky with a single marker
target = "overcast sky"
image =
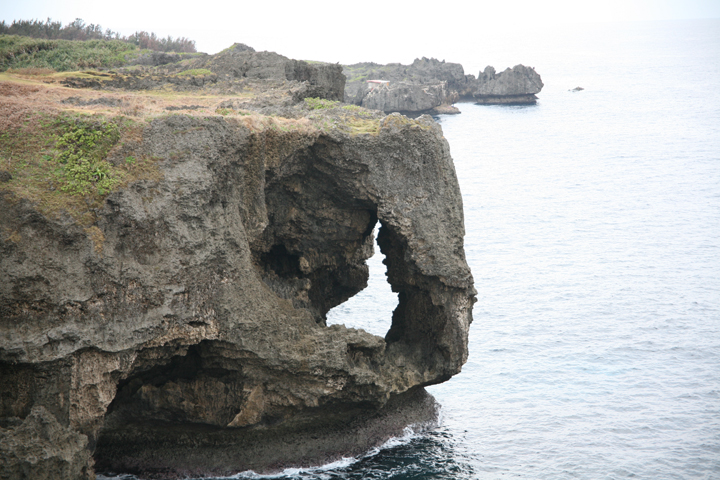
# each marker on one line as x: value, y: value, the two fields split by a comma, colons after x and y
x: 348, y: 32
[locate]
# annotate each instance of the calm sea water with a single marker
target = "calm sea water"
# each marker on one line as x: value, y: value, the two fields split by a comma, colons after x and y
x: 593, y: 234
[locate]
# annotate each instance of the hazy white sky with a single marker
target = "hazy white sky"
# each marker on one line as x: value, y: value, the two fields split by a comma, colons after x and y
x: 348, y: 32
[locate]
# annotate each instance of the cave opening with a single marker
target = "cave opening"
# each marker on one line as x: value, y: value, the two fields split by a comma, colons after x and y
x: 372, y: 308
x: 282, y: 262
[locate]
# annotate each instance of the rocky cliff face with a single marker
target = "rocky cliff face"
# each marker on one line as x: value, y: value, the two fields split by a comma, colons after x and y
x: 420, y: 87
x: 239, y: 62
x: 183, y: 331
x: 405, y: 97
x: 423, y: 71
x: 429, y: 86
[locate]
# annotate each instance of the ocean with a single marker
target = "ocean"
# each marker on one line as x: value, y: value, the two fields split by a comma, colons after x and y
x: 593, y: 233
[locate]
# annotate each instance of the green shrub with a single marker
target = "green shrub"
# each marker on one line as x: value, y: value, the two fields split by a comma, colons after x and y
x: 82, y: 166
x: 315, y: 103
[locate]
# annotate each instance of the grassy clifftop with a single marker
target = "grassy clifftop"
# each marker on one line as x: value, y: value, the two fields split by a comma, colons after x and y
x: 63, y: 55
x: 73, y: 114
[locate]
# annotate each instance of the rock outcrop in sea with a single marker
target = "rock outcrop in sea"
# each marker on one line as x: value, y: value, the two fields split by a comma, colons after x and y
x: 516, y: 86
x: 177, y: 326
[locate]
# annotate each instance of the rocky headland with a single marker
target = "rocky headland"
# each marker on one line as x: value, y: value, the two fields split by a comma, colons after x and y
x: 431, y: 86
x: 172, y: 235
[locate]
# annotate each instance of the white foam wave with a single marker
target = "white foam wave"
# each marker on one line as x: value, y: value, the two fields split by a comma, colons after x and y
x: 409, y: 434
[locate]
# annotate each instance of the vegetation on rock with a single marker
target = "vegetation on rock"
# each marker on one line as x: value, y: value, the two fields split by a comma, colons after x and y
x: 59, y: 161
x: 78, y: 30
x: 83, y: 146
x: 315, y: 103
x: 76, y: 46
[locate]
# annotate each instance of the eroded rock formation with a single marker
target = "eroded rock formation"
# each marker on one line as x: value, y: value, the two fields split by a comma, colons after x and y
x: 236, y: 69
x: 431, y: 86
x: 517, y: 85
x: 423, y: 72
x: 183, y: 331
x: 406, y: 98
x: 425, y: 86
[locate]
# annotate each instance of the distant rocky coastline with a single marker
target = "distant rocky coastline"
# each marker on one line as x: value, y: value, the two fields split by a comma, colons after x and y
x: 432, y: 86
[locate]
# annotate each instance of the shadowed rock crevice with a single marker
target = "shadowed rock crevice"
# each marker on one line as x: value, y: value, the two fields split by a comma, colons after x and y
x: 319, y: 235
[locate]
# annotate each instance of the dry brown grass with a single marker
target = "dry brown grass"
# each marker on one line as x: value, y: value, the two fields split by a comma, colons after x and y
x: 30, y: 106
x: 31, y: 72
x: 28, y: 129
x: 20, y: 103
x: 41, y: 92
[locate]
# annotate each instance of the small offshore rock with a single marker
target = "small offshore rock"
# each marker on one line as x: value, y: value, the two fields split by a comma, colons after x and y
x: 445, y: 110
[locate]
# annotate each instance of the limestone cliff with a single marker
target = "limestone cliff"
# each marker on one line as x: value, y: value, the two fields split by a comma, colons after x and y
x: 431, y: 86
x: 421, y: 87
x: 406, y: 98
x: 177, y: 326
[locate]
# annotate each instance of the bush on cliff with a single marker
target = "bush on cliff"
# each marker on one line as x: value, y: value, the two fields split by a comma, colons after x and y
x: 83, y: 147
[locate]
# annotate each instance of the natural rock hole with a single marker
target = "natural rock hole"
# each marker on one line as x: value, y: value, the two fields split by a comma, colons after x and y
x: 372, y: 308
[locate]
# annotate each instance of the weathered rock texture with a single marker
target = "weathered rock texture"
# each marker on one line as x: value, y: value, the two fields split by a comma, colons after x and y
x: 420, y: 87
x: 409, y: 85
x: 406, y: 98
x: 186, y: 334
x: 323, y: 80
x: 512, y: 86
x: 230, y: 71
